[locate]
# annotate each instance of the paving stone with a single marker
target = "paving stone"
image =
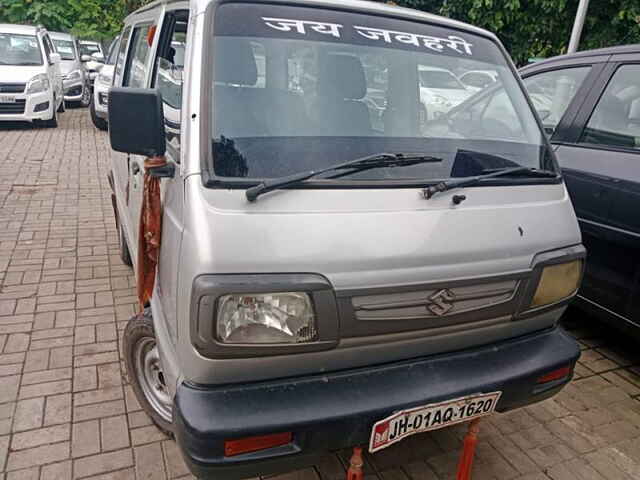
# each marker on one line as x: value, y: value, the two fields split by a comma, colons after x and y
x: 41, y: 436
x: 148, y: 434
x: 149, y: 462
x: 98, y: 410
x: 85, y: 378
x: 114, y: 433
x: 101, y: 463
x: 85, y: 438
x: 57, y: 409
x: 48, y: 388
x: 57, y: 471
x: 176, y: 467
x: 37, y: 456
x: 32, y: 473
x: 28, y: 414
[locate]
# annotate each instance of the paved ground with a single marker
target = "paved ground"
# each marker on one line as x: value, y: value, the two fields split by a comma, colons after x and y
x: 66, y: 411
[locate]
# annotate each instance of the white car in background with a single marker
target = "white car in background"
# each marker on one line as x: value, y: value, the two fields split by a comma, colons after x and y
x: 100, y: 100
x: 440, y: 91
x: 92, y: 56
x: 476, y: 80
x: 30, y: 80
x: 74, y: 77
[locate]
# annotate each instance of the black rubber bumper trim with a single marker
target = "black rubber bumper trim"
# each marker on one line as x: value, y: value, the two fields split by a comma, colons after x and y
x: 337, y: 410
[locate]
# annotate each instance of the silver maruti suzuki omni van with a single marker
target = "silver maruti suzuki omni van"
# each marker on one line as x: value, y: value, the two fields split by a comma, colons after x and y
x: 337, y: 268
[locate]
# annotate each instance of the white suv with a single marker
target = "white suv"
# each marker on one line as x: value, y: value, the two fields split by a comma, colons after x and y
x: 30, y: 79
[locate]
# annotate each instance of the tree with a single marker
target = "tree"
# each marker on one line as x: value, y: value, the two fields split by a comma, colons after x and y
x: 541, y: 28
x: 94, y: 19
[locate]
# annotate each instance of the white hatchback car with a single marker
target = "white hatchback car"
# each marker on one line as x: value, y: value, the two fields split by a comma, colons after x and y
x: 100, y: 99
x: 30, y: 79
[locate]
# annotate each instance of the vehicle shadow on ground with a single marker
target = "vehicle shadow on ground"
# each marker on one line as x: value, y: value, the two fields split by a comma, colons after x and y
x: 17, y: 126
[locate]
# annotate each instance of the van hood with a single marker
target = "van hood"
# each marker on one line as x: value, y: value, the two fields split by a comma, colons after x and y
x: 375, y: 238
x: 19, y: 74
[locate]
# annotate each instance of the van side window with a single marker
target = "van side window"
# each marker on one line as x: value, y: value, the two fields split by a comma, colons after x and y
x: 135, y: 73
x: 552, y: 92
x: 616, y: 119
x: 122, y: 55
x: 169, y: 77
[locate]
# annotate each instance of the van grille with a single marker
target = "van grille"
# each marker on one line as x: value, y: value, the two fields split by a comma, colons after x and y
x: 12, y: 108
x: 436, y: 307
x: 12, y: 87
x: 432, y: 303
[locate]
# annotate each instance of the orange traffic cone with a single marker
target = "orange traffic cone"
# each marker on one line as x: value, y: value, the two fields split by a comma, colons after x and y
x: 468, y: 451
x: 355, y: 465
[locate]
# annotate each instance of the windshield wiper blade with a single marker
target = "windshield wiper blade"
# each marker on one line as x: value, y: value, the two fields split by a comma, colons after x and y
x: 429, y: 192
x: 378, y: 160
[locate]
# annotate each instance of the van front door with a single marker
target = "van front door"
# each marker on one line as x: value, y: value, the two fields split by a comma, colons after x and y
x: 136, y: 75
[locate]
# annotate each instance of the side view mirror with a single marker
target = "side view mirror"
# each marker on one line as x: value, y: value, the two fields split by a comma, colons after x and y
x: 55, y: 58
x: 97, y: 57
x: 136, y: 121
x: 85, y: 58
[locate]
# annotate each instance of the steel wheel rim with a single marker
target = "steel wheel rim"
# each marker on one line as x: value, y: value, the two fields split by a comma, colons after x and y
x: 151, y: 378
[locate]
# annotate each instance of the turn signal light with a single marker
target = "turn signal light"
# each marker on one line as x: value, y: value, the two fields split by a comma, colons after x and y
x: 555, y: 375
x: 253, y: 444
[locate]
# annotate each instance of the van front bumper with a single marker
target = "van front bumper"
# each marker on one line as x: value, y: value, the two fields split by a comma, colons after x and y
x: 337, y: 410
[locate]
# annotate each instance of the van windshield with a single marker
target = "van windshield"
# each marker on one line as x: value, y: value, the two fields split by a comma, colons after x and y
x: 16, y: 49
x: 297, y: 89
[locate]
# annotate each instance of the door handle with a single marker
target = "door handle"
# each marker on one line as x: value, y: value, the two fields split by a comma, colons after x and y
x: 135, y: 168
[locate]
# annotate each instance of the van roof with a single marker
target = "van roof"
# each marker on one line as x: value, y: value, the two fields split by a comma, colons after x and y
x: 23, y: 29
x: 358, y: 5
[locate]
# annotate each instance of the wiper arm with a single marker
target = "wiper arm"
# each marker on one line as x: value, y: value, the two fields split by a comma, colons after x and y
x: 378, y: 160
x: 429, y: 192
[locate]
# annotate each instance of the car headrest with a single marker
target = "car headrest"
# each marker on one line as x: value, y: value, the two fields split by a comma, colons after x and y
x: 634, y: 111
x: 235, y: 63
x: 342, y: 76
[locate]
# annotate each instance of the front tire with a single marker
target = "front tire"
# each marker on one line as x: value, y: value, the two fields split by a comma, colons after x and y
x: 98, y: 122
x: 144, y: 368
x: 85, y: 101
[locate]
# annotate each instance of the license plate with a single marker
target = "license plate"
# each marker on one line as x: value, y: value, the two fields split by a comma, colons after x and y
x: 405, y: 423
x: 7, y: 99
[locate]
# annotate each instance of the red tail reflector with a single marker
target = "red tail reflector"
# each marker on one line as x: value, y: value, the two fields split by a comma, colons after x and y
x: 253, y: 444
x: 554, y: 375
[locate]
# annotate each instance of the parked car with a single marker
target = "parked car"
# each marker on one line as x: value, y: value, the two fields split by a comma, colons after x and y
x: 476, y: 80
x: 30, y: 79
x: 92, y: 56
x: 440, y: 91
x: 74, y: 77
x: 593, y: 120
x: 100, y: 99
x: 315, y: 283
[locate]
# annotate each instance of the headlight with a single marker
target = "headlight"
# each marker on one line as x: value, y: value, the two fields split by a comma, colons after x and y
x: 39, y: 83
x: 105, y: 79
x: 440, y: 100
x: 557, y: 283
x: 266, y: 318
x: 75, y: 75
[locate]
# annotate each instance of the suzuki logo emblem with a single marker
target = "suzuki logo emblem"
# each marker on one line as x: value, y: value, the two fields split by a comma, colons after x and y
x: 441, y: 302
